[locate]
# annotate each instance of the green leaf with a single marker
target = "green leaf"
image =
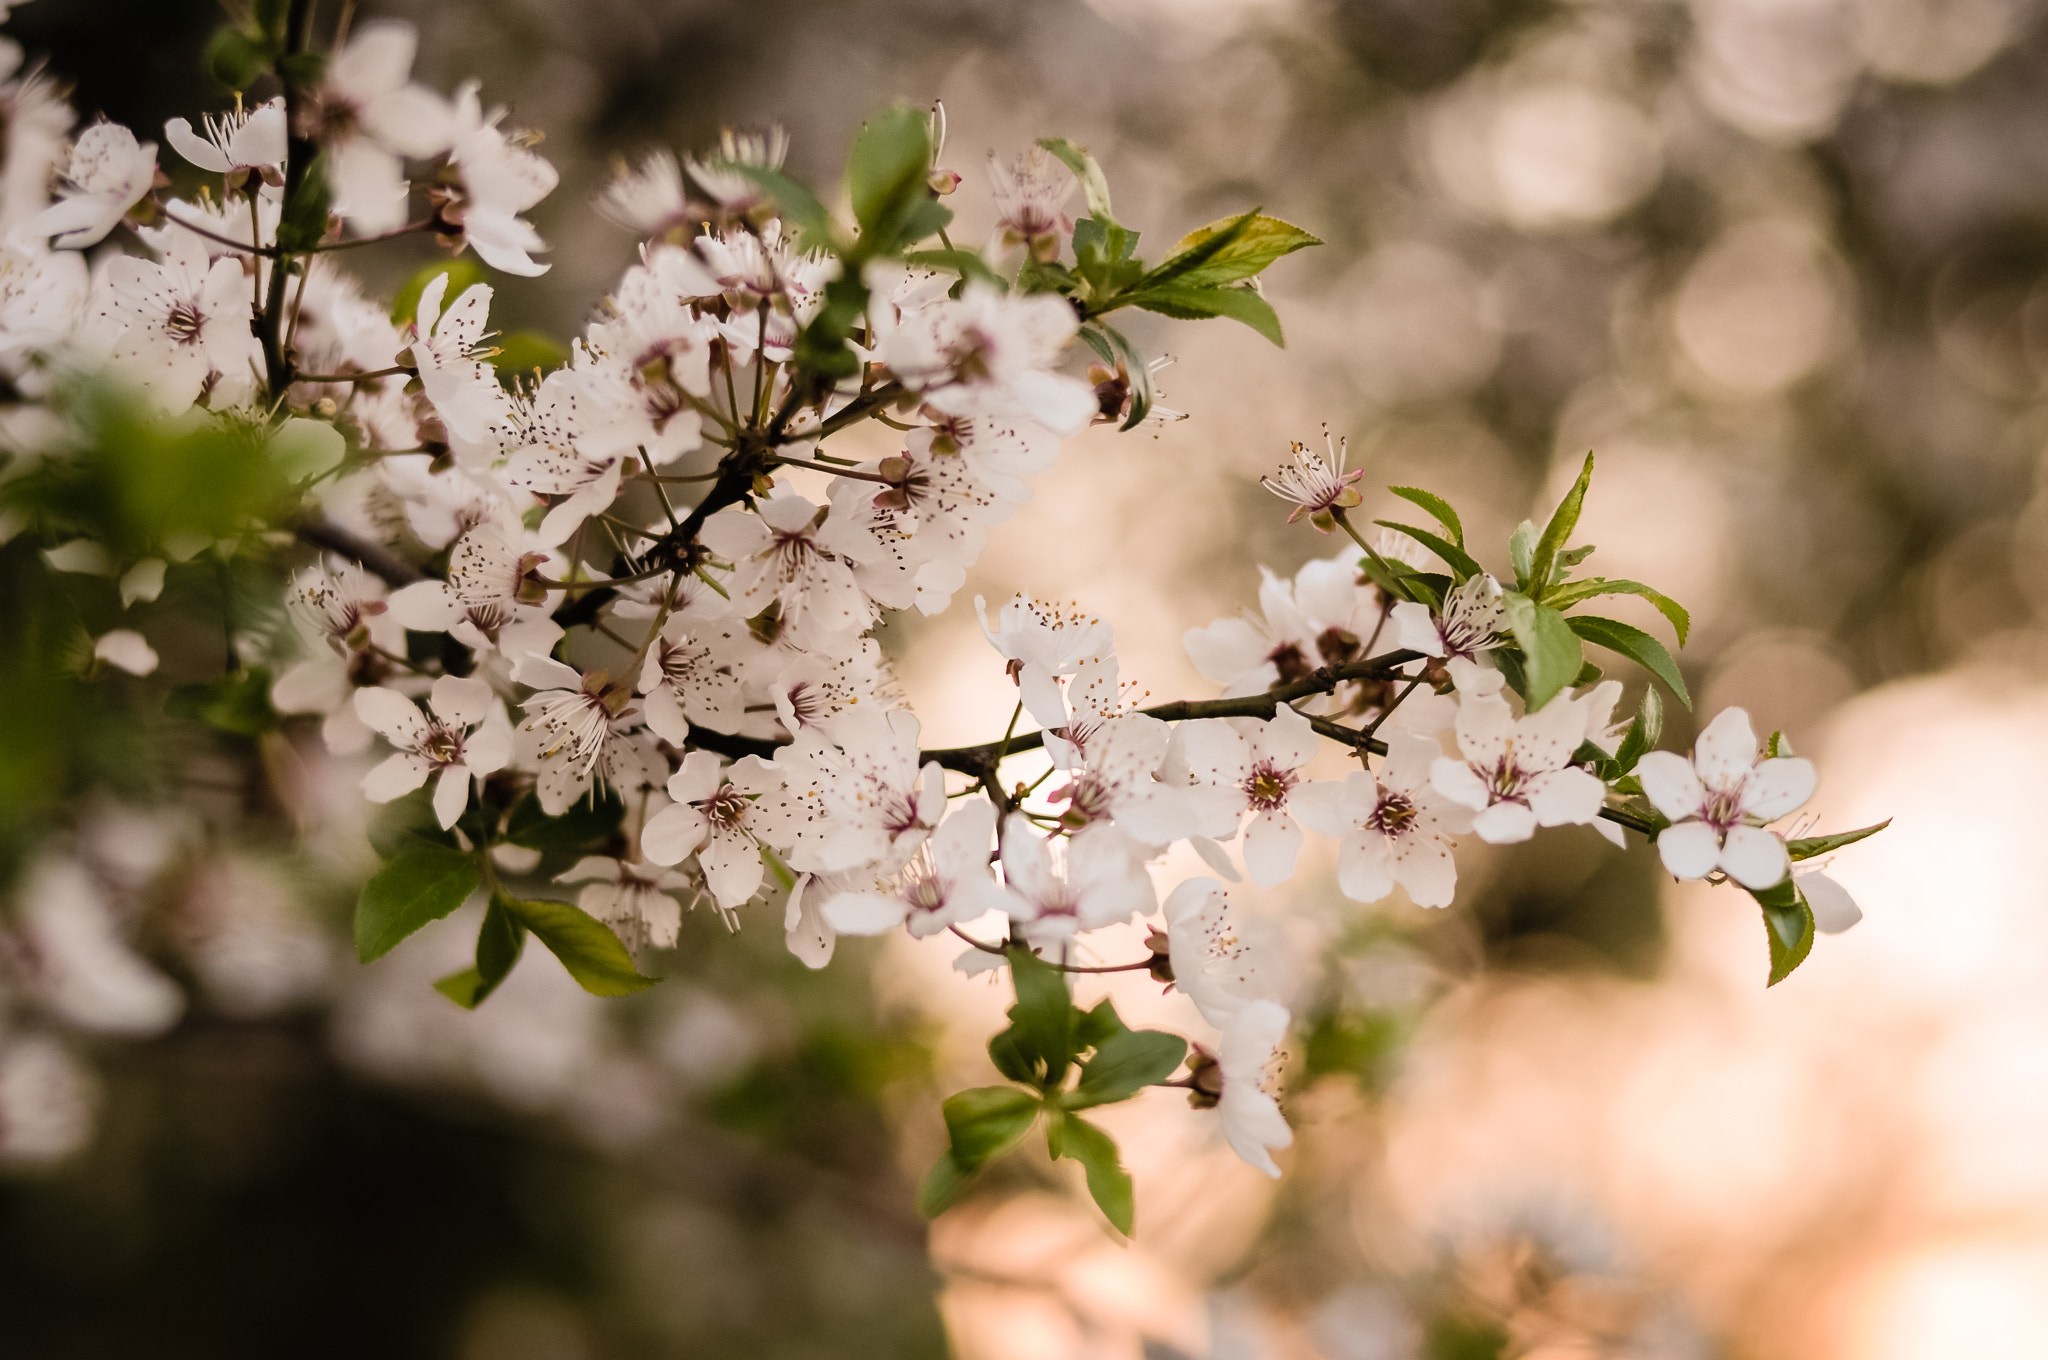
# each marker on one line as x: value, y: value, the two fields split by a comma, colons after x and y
x: 238, y: 702
x: 1042, y: 1021
x: 463, y: 271
x: 305, y: 213
x: 588, y: 824
x: 888, y: 174
x: 1093, y: 184
x: 965, y: 263
x: 1551, y: 655
x: 585, y: 945
x: 1459, y: 560
x: 423, y: 883
x: 1569, y: 593
x: 521, y: 352
x: 1558, y: 532
x: 794, y: 204
x: 1636, y: 645
x: 1437, y: 507
x: 498, y: 945
x: 1788, y: 922
x: 987, y: 1121
x: 1123, y: 1064
x: 1194, y: 304
x: 1215, y: 239
x: 236, y: 59
x: 942, y: 1186
x: 1522, y: 554
x: 1806, y: 847
x: 1252, y: 242
x: 1096, y: 1151
x: 464, y: 987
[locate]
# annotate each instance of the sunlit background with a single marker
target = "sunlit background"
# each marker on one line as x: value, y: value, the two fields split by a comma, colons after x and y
x: 1782, y: 264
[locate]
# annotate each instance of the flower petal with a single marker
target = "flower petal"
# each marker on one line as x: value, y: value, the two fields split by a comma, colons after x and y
x: 1754, y: 857
x: 1776, y: 787
x: 1725, y: 750
x: 1689, y: 849
x: 1671, y: 785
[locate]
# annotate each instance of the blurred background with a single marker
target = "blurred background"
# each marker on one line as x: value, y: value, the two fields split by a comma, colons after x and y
x: 1782, y: 263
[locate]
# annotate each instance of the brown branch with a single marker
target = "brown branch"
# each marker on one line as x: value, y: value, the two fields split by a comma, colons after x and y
x: 325, y: 533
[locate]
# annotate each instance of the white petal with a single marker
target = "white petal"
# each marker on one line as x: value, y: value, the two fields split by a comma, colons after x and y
x: 864, y: 913
x: 1364, y: 868
x: 1570, y: 797
x: 1834, y: 911
x: 204, y: 154
x: 1670, y: 783
x: 1415, y: 630
x: 1271, y: 844
x: 1754, y: 857
x: 671, y: 834
x: 1689, y: 849
x: 1504, y: 824
x: 397, y: 776
x: 1455, y: 780
x: 1725, y: 750
x: 1425, y: 866
x: 391, y: 713
x: 461, y: 700
x: 127, y: 649
x: 143, y: 581
x: 451, y: 795
x: 732, y: 869
x: 1777, y: 786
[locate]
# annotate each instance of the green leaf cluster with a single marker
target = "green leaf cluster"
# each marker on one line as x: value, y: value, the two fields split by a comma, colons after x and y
x: 1049, y: 1038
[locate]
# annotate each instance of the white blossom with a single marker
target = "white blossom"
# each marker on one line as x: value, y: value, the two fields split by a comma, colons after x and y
x: 1213, y: 966
x: 1247, y: 766
x: 180, y: 325
x: 569, y: 728
x: 1472, y: 621
x: 500, y: 180
x: 636, y: 899
x: 1719, y: 800
x: 368, y: 116
x: 1393, y: 829
x: 1317, y: 484
x: 1042, y: 642
x: 1320, y: 618
x: 1517, y: 774
x: 993, y: 355
x: 945, y: 883
x: 1251, y: 1118
x: 467, y: 737
x: 247, y: 140
x: 1095, y: 882
x: 108, y: 173
x: 722, y: 815
x: 127, y: 650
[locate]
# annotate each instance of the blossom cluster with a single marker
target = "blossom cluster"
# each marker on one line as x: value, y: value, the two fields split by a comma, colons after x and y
x: 635, y: 596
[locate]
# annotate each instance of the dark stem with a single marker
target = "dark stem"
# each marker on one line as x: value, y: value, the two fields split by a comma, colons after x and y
x: 374, y: 557
x: 299, y: 153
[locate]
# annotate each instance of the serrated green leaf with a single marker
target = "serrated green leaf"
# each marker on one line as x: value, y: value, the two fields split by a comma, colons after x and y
x: 587, y: 824
x: 1522, y: 553
x: 1569, y: 593
x: 1124, y: 1063
x: 1459, y: 560
x: 1251, y: 243
x: 1186, y: 259
x: 1807, y: 847
x: 1237, y: 302
x: 1788, y: 923
x: 795, y: 205
x: 942, y: 1186
x: 1557, y: 534
x: 986, y: 1121
x: 1043, y: 1018
x: 1439, y: 508
x: 1093, y: 1028
x: 1634, y: 743
x: 1636, y: 645
x: 1094, y: 185
x: 424, y: 883
x: 1551, y: 655
x: 586, y: 946
x: 1108, y: 1182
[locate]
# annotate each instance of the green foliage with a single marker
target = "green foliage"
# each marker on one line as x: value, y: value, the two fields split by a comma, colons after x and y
x: 1120, y: 354
x: 1125, y: 1061
x: 1069, y: 1135
x: 1437, y: 506
x: 238, y: 703
x: 237, y: 59
x: 1807, y: 847
x: 987, y: 1121
x: 422, y: 883
x: 521, y: 352
x: 1454, y: 554
x: 1544, y: 563
x: 1788, y: 923
x: 1238, y: 302
x: 594, y: 956
x: 1041, y: 1032
x: 888, y: 174
x: 587, y: 825
x: 1636, y: 645
x: 1229, y: 250
x: 305, y: 212
x: 1551, y: 654
x: 1568, y: 593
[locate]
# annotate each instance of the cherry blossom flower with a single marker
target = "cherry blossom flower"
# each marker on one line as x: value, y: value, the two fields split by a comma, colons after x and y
x: 1252, y: 1122
x: 344, y: 617
x: 929, y: 525
x: 1320, y: 618
x: 722, y: 815
x: 108, y: 173
x: 813, y: 690
x: 1394, y: 829
x: 1212, y: 965
x: 500, y: 179
x: 685, y: 682
x: 1473, y: 620
x: 467, y: 737
x: 878, y: 806
x: 992, y: 354
x: 565, y: 453
x: 238, y: 145
x: 182, y: 324
x: 634, y: 898
x: 1031, y: 192
x: 648, y: 198
x: 1115, y: 783
x: 1316, y: 485
x: 724, y: 177
x: 790, y: 555
x: 1517, y: 774
x: 1251, y: 766
x: 569, y: 727
x: 464, y: 391
x: 368, y: 116
x: 1000, y: 453
x: 1042, y: 642
x: 945, y: 883
x: 1094, y: 883
x: 1719, y: 800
